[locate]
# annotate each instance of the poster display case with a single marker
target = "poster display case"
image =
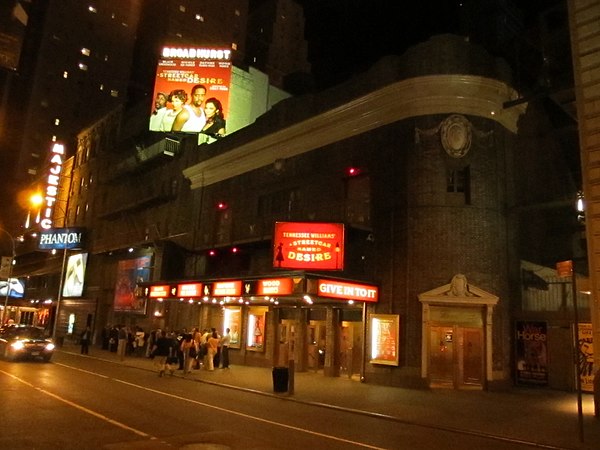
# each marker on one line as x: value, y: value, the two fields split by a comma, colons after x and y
x: 385, y: 339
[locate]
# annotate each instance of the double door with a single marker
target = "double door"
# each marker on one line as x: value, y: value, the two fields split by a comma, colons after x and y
x: 456, y: 357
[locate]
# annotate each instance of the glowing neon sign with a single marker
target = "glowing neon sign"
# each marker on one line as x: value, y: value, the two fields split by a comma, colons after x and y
x: 56, y: 163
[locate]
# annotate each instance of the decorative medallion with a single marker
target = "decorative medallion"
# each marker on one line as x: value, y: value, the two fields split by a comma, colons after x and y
x: 456, y: 135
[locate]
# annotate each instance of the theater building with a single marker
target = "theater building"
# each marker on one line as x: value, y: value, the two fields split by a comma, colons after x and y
x: 419, y: 166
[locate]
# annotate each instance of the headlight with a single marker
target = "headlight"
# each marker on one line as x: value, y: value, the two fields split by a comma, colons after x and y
x: 50, y: 346
x: 18, y: 345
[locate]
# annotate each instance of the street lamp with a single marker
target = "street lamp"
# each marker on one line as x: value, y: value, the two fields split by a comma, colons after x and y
x: 12, y: 260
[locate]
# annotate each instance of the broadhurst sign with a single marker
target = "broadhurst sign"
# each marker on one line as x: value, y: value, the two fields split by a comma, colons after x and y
x: 62, y: 238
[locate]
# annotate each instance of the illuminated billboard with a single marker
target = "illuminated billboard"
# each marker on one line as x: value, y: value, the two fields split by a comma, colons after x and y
x: 75, y: 275
x: 317, y: 246
x: 129, y: 273
x: 191, y: 91
x: 13, y: 286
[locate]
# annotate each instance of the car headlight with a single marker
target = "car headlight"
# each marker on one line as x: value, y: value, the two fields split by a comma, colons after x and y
x: 18, y: 345
x: 50, y: 346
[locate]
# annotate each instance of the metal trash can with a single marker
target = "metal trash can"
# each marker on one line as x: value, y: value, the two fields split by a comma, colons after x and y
x: 281, y: 378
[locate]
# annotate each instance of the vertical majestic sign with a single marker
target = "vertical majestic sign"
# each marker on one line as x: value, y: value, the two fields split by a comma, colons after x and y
x: 318, y: 246
x: 57, y: 155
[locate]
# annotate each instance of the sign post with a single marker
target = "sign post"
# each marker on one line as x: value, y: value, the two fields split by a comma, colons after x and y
x: 565, y: 269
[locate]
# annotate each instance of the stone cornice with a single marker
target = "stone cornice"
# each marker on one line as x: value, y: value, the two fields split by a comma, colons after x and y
x: 427, y: 95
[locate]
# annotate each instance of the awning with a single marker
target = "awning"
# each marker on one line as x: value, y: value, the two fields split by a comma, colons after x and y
x: 279, y: 288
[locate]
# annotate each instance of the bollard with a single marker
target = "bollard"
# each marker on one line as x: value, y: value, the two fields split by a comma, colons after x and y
x: 291, y: 370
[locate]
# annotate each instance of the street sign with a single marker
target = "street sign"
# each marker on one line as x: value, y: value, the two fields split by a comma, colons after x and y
x: 564, y: 268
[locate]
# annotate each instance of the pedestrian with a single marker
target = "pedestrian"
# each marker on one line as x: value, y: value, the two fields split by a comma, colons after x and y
x: 139, y: 341
x: 113, y: 339
x: 213, y: 346
x: 86, y: 336
x: 217, y: 356
x: 122, y: 344
x: 188, y: 350
x: 225, y: 341
x: 161, y: 351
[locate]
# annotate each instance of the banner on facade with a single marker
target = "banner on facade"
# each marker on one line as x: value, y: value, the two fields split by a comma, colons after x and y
x: 585, y: 357
x: 531, y: 352
x: 75, y: 275
x: 129, y: 273
x: 191, y: 90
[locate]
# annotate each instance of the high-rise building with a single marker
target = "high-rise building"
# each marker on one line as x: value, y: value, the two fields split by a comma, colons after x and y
x: 81, y: 60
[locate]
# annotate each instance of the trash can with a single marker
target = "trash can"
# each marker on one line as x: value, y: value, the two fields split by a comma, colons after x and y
x: 281, y: 377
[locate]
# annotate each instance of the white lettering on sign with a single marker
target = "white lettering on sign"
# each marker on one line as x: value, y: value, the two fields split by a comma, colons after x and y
x: 347, y: 290
x: 196, y: 53
x: 56, y: 162
x: 226, y: 288
x: 60, y: 238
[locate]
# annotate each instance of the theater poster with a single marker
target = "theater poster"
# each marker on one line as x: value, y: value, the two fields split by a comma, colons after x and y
x: 75, y: 275
x: 129, y: 273
x: 585, y: 358
x: 181, y: 72
x: 531, y: 352
x: 308, y: 245
x: 385, y: 336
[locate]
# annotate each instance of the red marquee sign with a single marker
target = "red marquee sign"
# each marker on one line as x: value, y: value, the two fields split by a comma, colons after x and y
x: 159, y: 291
x: 227, y: 288
x: 347, y: 291
x: 316, y: 246
x: 275, y: 286
x: 189, y: 290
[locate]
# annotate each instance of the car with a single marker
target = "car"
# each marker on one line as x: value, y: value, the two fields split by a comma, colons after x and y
x: 25, y: 342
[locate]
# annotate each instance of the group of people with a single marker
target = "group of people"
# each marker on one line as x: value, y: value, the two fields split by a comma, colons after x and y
x: 184, y: 350
x: 189, y: 350
x: 197, y: 116
x: 120, y: 339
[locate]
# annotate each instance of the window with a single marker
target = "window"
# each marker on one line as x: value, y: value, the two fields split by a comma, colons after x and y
x: 83, y: 66
x: 459, y: 182
x: 199, y: 18
x: 56, y: 121
x: 85, y: 51
x: 280, y: 203
x: 65, y: 74
x: 358, y: 199
x: 223, y: 226
x: 92, y: 9
x: 114, y: 93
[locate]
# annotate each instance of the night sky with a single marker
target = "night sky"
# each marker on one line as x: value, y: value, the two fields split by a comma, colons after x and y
x: 348, y: 36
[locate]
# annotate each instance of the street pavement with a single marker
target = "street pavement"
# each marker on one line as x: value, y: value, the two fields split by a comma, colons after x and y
x: 541, y: 417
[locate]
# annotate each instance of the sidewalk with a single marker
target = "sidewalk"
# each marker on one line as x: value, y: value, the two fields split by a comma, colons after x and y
x: 544, y: 417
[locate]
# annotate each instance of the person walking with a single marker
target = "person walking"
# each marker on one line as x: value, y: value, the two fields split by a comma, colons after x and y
x: 161, y: 350
x: 122, y: 344
x: 86, y: 336
x: 225, y: 341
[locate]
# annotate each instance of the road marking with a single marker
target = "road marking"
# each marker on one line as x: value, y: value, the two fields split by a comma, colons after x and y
x: 81, y: 408
x: 258, y: 419
x: 81, y: 370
